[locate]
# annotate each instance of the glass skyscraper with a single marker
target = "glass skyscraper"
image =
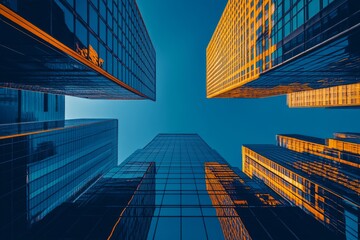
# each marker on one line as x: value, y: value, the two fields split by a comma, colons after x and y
x: 264, y: 48
x: 120, y: 205
x: 88, y: 48
x: 25, y: 106
x: 177, y: 187
x: 343, y: 96
x: 322, y: 176
x: 44, y: 164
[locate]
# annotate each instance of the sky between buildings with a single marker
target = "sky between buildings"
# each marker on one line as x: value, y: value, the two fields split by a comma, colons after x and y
x: 180, y: 32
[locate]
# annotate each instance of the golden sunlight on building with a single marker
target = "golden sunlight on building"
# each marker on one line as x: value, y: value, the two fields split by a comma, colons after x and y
x: 321, y: 176
x: 236, y: 53
x: 339, y: 96
x: 263, y: 48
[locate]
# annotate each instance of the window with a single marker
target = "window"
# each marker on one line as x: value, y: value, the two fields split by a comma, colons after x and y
x: 102, y: 31
x: 102, y: 9
x: 96, y: 3
x: 94, y: 42
x: 71, y: 2
x: 313, y: 8
x: 81, y: 33
x: 93, y: 19
x: 287, y: 5
x: 46, y: 102
x: 56, y: 103
x: 300, y: 18
x: 81, y: 9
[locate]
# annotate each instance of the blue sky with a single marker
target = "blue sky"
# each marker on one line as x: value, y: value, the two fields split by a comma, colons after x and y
x: 180, y: 31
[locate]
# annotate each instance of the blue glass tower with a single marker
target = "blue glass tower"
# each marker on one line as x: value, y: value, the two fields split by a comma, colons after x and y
x: 25, y: 106
x: 91, y: 49
x: 119, y: 205
x: 177, y: 187
x: 43, y: 164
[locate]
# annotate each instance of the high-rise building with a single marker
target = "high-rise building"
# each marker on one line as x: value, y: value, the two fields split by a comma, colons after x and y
x: 257, y: 212
x: 19, y: 106
x: 343, y: 96
x: 263, y: 48
x: 91, y: 49
x: 177, y: 187
x: 120, y: 205
x: 43, y: 164
x: 343, y: 148
x: 320, y: 176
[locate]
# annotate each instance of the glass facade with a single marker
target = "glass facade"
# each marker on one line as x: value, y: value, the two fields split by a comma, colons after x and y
x: 264, y: 48
x: 342, y: 148
x: 339, y: 96
x: 257, y: 212
x: 320, y: 176
x: 89, y: 48
x: 26, y: 106
x: 106, y: 210
x: 177, y: 187
x: 43, y: 164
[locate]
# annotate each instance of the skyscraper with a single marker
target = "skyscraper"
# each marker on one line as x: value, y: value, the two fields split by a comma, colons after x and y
x: 43, y: 164
x: 19, y: 106
x: 177, y: 187
x: 342, y: 96
x: 266, y: 48
x: 320, y: 176
x: 120, y: 205
x: 342, y: 148
x: 91, y: 49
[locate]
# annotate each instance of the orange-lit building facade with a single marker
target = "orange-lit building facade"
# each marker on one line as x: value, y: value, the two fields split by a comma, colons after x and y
x: 248, y: 209
x: 339, y: 96
x: 232, y: 227
x: 263, y: 48
x: 232, y: 56
x: 318, y: 175
x: 341, y: 148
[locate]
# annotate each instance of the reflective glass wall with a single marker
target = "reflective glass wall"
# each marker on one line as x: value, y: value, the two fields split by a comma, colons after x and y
x: 111, y: 208
x: 25, y: 106
x: 199, y: 196
x: 344, y: 96
x: 110, y: 35
x: 264, y: 48
x: 43, y: 164
x: 177, y: 187
x: 320, y: 176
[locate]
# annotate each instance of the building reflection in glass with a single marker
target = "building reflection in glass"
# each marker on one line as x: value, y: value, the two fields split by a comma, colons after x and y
x: 114, y: 207
x: 43, y: 164
x: 320, y: 176
x: 343, y: 148
x: 247, y: 209
x: 25, y: 106
x: 176, y: 187
x: 232, y: 227
x: 138, y: 213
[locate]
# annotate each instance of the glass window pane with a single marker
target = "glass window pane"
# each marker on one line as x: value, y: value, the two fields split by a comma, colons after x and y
x: 81, y: 9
